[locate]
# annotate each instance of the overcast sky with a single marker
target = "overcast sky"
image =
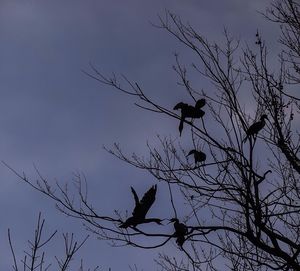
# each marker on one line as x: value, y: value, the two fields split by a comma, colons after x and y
x: 54, y: 116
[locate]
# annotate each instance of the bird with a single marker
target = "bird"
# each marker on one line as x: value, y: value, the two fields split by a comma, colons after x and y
x: 256, y: 127
x: 189, y: 111
x: 181, y: 230
x: 141, y: 208
x: 199, y: 156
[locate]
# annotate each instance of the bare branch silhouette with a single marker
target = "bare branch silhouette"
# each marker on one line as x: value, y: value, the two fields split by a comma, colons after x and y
x: 239, y: 197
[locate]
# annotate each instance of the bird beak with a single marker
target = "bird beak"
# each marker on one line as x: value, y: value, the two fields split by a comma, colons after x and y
x: 170, y: 221
x: 161, y: 222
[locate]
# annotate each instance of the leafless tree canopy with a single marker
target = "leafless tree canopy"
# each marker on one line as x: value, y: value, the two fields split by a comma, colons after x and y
x: 35, y: 257
x: 248, y: 185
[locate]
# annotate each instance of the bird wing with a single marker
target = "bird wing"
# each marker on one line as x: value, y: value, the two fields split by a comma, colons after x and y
x: 191, y: 152
x: 188, y: 111
x: 146, y: 202
x: 179, y: 106
x: 254, y: 128
x: 136, y: 198
x: 200, y: 156
x: 198, y: 114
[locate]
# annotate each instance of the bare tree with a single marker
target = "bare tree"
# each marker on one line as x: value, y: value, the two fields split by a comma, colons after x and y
x: 248, y: 185
x: 35, y: 258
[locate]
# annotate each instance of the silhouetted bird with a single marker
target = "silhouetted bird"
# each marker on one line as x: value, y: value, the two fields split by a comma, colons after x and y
x: 141, y: 208
x: 199, y: 156
x: 189, y: 111
x: 256, y: 127
x: 181, y: 231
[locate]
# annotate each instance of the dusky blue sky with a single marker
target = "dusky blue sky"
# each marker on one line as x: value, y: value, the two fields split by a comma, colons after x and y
x: 54, y: 116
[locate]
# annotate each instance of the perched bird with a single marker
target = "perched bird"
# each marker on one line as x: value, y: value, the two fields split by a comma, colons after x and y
x: 189, y: 111
x: 181, y: 230
x: 141, y: 208
x: 199, y: 156
x: 256, y: 127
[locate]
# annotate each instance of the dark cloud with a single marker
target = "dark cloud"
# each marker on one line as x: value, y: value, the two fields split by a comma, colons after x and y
x: 53, y: 115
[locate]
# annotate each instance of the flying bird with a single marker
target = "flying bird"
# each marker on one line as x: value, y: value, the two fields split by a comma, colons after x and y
x: 141, y: 209
x: 189, y: 111
x: 199, y: 156
x: 255, y: 128
x: 181, y: 230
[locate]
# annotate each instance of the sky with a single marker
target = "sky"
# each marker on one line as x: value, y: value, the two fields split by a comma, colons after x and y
x: 54, y: 116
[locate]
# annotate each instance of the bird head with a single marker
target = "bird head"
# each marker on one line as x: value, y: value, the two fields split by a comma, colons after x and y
x: 191, y: 152
x: 264, y: 116
x: 173, y: 220
x: 200, y: 103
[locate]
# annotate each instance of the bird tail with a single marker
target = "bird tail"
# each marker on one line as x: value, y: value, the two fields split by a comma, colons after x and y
x: 180, y: 240
x: 181, y: 125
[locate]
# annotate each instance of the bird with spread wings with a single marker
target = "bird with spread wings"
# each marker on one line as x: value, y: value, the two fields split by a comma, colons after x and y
x: 141, y: 209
